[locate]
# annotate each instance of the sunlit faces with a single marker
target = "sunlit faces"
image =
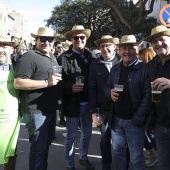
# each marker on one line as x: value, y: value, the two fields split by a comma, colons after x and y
x: 107, y: 49
x: 78, y: 41
x: 128, y: 53
x: 5, y: 52
x: 44, y: 44
x: 161, y: 46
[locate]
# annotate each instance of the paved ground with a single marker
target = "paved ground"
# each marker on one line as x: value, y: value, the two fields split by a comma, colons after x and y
x: 56, y: 158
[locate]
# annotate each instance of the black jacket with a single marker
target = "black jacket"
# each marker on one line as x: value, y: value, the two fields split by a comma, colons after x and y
x: 71, y: 69
x: 98, y: 76
x: 140, y: 91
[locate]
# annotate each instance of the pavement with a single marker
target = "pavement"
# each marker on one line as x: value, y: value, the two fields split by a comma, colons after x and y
x: 56, y: 151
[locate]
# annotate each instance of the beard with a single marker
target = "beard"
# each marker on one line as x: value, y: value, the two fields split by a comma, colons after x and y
x: 3, y: 60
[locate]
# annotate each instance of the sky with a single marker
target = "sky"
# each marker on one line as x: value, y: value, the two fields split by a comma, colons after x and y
x: 35, y: 10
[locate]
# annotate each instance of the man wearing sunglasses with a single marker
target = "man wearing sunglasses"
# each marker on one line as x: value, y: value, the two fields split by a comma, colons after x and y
x: 39, y: 95
x: 76, y: 61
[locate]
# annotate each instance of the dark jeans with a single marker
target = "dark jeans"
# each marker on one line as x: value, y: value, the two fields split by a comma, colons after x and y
x: 41, y: 129
x: 162, y: 137
x: 105, y: 147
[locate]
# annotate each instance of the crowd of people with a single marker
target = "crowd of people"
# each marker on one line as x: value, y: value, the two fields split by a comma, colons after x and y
x: 115, y: 95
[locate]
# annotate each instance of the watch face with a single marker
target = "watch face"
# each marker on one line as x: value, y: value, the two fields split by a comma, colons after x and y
x: 164, y: 15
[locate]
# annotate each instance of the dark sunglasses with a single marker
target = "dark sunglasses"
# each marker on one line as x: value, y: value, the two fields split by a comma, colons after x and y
x: 49, y: 39
x: 59, y: 47
x: 77, y: 37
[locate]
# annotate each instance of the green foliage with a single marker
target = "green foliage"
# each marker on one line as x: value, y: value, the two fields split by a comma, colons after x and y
x: 100, y: 18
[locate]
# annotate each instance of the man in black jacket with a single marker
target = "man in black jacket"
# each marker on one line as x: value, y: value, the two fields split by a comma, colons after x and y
x: 98, y: 75
x: 130, y: 113
x: 76, y: 62
x: 159, y: 73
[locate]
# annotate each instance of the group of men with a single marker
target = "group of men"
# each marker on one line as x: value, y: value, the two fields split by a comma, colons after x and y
x: 125, y: 119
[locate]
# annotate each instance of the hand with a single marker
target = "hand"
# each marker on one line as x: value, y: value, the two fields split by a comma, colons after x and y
x: 95, y: 119
x: 54, y: 79
x: 114, y: 95
x: 76, y: 88
x: 162, y: 83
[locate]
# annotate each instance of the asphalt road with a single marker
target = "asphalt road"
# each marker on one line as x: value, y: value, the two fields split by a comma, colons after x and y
x: 56, y: 156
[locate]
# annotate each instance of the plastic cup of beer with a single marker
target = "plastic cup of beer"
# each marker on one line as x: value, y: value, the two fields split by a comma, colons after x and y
x: 100, y: 118
x: 80, y: 80
x: 57, y: 69
x: 156, y: 94
x: 119, y: 89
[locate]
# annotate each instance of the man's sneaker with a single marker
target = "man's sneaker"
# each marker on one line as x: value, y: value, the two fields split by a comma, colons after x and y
x: 151, y: 161
x: 86, y: 164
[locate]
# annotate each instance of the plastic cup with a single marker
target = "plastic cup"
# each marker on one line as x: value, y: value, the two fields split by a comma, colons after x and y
x: 100, y: 118
x: 156, y: 94
x: 80, y: 80
x: 57, y: 69
x: 119, y: 89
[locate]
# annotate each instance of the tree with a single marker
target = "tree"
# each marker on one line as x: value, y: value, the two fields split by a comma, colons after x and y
x: 114, y: 17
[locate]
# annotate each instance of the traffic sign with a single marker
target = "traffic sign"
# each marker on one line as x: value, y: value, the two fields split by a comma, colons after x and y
x: 164, y: 15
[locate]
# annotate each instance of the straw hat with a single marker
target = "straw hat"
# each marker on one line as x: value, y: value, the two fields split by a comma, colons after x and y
x: 66, y: 45
x: 106, y: 39
x: 158, y: 31
x: 129, y: 39
x: 44, y: 32
x: 77, y: 29
x: 7, y: 41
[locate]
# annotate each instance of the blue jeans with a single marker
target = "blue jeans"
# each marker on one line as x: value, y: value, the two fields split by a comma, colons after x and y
x: 41, y: 129
x: 86, y: 130
x: 105, y: 145
x: 162, y: 137
x: 124, y: 133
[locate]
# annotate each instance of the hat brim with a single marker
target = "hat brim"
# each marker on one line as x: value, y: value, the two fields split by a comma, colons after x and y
x: 42, y: 35
x: 151, y: 37
x: 109, y: 40
x: 10, y: 43
x: 130, y: 43
x: 68, y: 34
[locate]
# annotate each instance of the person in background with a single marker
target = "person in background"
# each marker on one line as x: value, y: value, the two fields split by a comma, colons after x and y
x: 146, y: 54
x: 58, y: 49
x: 76, y: 62
x: 98, y: 103
x: 39, y: 95
x: 130, y: 112
x: 9, y: 107
x: 159, y: 74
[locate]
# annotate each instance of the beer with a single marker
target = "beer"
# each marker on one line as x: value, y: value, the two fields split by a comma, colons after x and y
x: 120, y: 92
x: 156, y: 95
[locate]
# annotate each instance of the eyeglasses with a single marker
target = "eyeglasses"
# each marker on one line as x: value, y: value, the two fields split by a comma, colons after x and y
x: 77, y: 37
x: 105, y: 46
x: 59, y: 47
x: 49, y: 39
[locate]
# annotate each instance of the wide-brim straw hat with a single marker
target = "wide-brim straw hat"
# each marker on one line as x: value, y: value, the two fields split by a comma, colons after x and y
x: 6, y: 40
x: 129, y: 39
x: 158, y: 31
x: 77, y: 29
x: 106, y: 39
x: 66, y: 45
x: 44, y: 32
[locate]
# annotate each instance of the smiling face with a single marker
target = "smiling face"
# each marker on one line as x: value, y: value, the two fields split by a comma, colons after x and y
x: 107, y: 49
x: 78, y: 41
x: 5, y: 53
x: 161, y: 46
x: 128, y: 53
x: 44, y: 44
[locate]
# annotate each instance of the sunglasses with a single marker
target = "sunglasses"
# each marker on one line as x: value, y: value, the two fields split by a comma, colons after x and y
x: 59, y: 47
x: 105, y: 46
x: 49, y: 39
x: 77, y: 37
